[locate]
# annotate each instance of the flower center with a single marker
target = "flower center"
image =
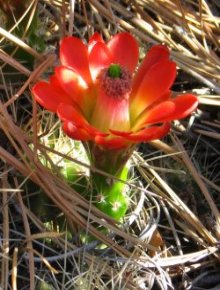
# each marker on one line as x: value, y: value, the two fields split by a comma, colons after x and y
x: 114, y: 71
x: 115, y: 81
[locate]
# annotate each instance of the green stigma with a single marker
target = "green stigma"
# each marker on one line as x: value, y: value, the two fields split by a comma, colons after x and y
x: 114, y: 71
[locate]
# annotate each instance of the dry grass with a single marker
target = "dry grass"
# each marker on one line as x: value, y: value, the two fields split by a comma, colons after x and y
x: 175, y: 226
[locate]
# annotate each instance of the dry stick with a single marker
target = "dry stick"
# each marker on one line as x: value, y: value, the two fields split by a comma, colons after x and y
x: 14, y: 63
x: 42, y: 228
x: 26, y: 149
x: 121, y: 22
x: 27, y: 229
x: 212, y: 184
x: 194, y: 61
x: 192, y: 70
x: 18, y: 165
x: 20, y: 43
x: 123, y: 272
x: 169, y: 219
x: 71, y: 17
x: 131, y: 239
x: 202, y: 26
x: 192, y: 40
x: 13, y: 161
x: 132, y: 186
x: 52, y: 269
x: 74, y: 215
x: 171, y: 202
x: 63, y: 19
x: 170, y: 14
x: 198, y: 180
x: 210, y: 55
x: 178, y: 260
x: 5, y: 244
x: 183, y: 16
x: 147, y: 18
x: 172, y: 226
x: 29, y: 242
x: 104, y: 30
x: 209, y: 72
x: 55, y: 236
x: 196, y: 29
x: 189, y: 231
x: 108, y: 5
x: 35, y: 128
x: 208, y: 133
x: 184, y: 211
x: 15, y: 255
x: 170, y: 151
x: 42, y: 235
x: 32, y: 77
x: 96, y: 233
x: 74, y: 249
x: 167, y: 149
x: 92, y: 168
x: 211, y: 124
x: 196, y: 46
x: 211, y: 97
x: 209, y: 12
x: 34, y: 4
x: 86, y: 17
x: 43, y: 178
x: 10, y: 131
x: 160, y: 145
x: 211, y: 35
x: 14, y: 269
x: 208, y: 101
x: 22, y: 17
x: 151, y: 36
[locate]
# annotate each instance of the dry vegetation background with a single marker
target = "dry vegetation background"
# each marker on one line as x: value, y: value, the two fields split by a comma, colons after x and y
x: 170, y: 237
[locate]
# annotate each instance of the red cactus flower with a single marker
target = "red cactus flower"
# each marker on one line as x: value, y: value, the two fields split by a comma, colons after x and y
x: 100, y: 97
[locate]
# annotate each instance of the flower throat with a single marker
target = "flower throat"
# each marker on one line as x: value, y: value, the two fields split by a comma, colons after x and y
x: 115, y: 81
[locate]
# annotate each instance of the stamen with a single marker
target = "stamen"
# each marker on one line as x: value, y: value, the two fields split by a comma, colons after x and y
x: 115, y: 81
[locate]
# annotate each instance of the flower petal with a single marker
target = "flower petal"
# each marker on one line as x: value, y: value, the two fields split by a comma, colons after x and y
x: 71, y: 83
x: 49, y: 96
x: 157, y: 114
x: 70, y: 113
x: 74, y: 54
x: 156, y: 54
x: 124, y: 49
x: 111, y: 143
x: 76, y: 133
x: 156, y: 82
x: 150, y: 133
x: 120, y: 133
x: 99, y: 58
x: 111, y: 113
x: 184, y: 106
x: 96, y: 37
